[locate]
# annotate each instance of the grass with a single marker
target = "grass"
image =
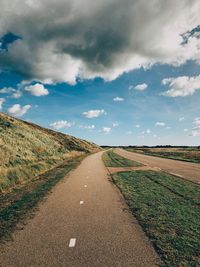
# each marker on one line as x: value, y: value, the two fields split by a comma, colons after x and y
x: 27, y: 150
x: 190, y: 154
x: 17, y: 205
x: 111, y: 159
x: 168, y: 209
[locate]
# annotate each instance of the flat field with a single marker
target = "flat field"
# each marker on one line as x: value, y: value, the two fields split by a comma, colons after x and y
x: 190, y: 154
x: 167, y: 208
x: 111, y: 159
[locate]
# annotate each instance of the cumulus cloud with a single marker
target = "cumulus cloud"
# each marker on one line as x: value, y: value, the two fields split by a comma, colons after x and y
x: 36, y: 89
x: 94, y: 113
x: 160, y: 124
x: 115, y: 124
x: 181, y: 86
x: 137, y: 125
x: 62, y: 41
x: 181, y: 119
x: 118, y: 99
x: 18, y: 110
x: 147, y: 131
x: 106, y: 130
x: 197, y: 121
x: 87, y: 127
x: 196, y: 129
x: 57, y: 125
x: 141, y: 87
x: 7, y: 90
x: 2, y: 100
x: 14, y: 93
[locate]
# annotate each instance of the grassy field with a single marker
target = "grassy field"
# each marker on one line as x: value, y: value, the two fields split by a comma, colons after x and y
x: 111, y: 159
x: 168, y: 209
x: 27, y: 150
x: 16, y: 206
x: 185, y: 154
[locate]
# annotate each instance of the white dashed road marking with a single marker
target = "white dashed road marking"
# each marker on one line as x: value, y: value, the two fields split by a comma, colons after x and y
x: 81, y: 202
x: 72, y: 242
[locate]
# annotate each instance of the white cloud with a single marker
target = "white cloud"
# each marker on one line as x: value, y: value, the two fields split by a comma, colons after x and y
x: 129, y: 132
x: 2, y: 100
x: 181, y: 119
x: 137, y: 125
x: 181, y: 86
x: 141, y: 87
x: 168, y: 127
x: 115, y: 124
x: 16, y: 94
x: 37, y: 90
x: 106, y: 130
x: 57, y: 125
x: 196, y: 129
x: 147, y: 131
x: 185, y: 130
x: 118, y: 99
x: 18, y: 110
x: 197, y: 121
x: 10, y: 90
x: 7, y: 90
x: 88, y: 127
x: 160, y: 123
x: 69, y: 49
x: 94, y: 113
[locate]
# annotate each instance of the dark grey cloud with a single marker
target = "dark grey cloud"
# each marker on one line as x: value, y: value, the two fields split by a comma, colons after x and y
x: 63, y: 40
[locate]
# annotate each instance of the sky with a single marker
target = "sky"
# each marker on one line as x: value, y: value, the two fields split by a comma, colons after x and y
x: 112, y: 72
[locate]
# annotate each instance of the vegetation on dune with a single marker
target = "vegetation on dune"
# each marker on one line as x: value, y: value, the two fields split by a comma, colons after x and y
x: 167, y: 208
x: 190, y: 154
x: 27, y: 150
x: 111, y: 159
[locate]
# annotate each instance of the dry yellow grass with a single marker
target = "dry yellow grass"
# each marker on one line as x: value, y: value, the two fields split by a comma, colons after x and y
x: 27, y: 150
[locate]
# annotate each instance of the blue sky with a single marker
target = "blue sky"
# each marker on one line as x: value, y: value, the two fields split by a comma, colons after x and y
x: 151, y: 100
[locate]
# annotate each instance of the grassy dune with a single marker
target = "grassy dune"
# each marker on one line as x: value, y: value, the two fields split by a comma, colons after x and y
x: 27, y: 150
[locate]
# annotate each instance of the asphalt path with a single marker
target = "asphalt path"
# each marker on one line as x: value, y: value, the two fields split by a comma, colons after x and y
x: 83, y: 222
x: 186, y: 170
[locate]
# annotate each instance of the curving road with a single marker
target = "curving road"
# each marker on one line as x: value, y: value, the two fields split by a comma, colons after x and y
x: 83, y: 223
x: 186, y: 170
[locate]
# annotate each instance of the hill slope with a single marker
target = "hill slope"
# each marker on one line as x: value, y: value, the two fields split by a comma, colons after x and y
x: 27, y: 149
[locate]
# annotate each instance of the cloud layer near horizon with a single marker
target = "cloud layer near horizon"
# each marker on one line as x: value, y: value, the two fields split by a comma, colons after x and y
x: 65, y: 40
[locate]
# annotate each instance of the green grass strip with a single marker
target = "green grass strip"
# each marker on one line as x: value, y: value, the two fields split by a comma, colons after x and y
x: 168, y: 210
x: 111, y: 159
